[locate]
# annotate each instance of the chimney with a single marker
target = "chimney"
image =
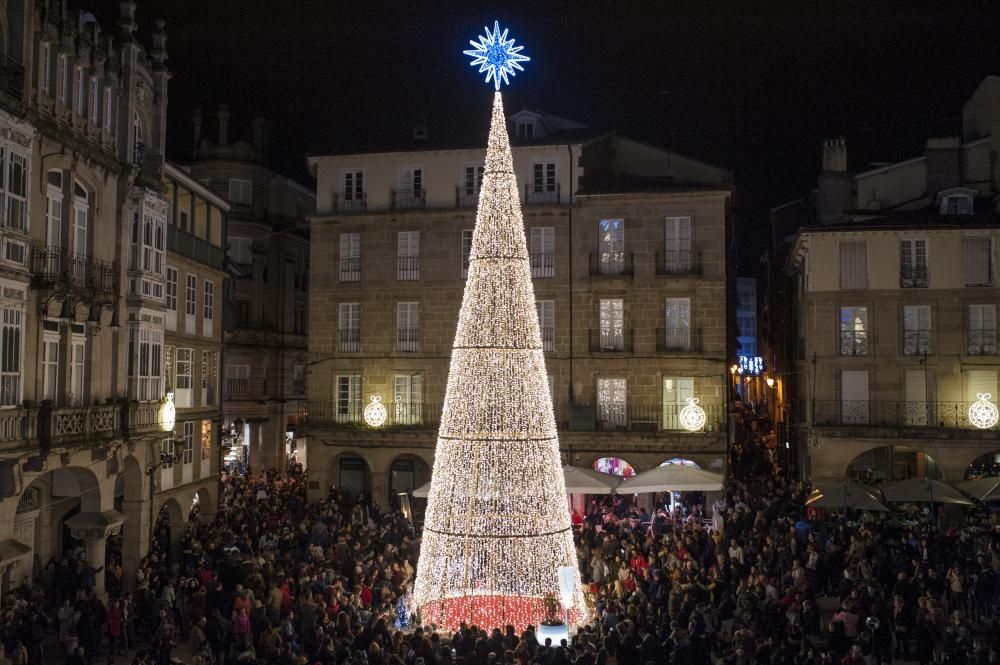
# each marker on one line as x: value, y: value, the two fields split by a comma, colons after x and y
x: 943, y: 157
x: 258, y: 133
x: 126, y: 21
x: 159, y: 51
x: 196, y: 121
x: 835, y: 155
x: 223, y: 116
x: 835, y: 187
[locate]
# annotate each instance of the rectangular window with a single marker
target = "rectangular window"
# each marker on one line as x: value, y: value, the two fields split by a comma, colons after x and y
x: 45, y: 65
x: 546, y: 310
x: 183, y: 376
x: 853, y: 264
x: 354, y: 185
x: 854, y: 397
x: 187, y: 453
x: 411, y: 181
x: 408, y: 399
x: 542, y: 251
x: 208, y: 304
x: 145, y: 369
x: 853, y: 331
x: 50, y: 366
x: 466, y: 251
x: 611, y: 403
x: 350, y: 257
x: 350, y: 327
x: 190, y: 303
x: 14, y: 187
x: 677, y: 333
x: 206, y: 447
x: 676, y: 392
x: 980, y: 382
x: 95, y: 98
x: 77, y: 369
x: 611, y: 247
x: 109, y: 112
x: 240, y: 253
x: 677, y: 256
x: 62, y: 78
x: 298, y: 379
x: 543, y: 177
x: 237, y: 379
x: 612, y: 329
x: 11, y: 335
x: 472, y: 181
x: 240, y: 191
x: 78, y: 91
x: 982, y: 330
x: 348, y: 398
x: 977, y: 261
x: 408, y: 255
x: 913, y: 264
x: 916, y: 330
x: 916, y: 412
x: 408, y: 326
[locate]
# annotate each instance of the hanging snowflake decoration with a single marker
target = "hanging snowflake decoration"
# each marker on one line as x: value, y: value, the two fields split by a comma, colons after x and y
x: 983, y: 413
x: 375, y: 412
x: 496, y: 55
x: 692, y: 416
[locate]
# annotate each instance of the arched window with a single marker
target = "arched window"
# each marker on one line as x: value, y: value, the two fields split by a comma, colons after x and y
x: 137, y: 145
x: 78, y: 235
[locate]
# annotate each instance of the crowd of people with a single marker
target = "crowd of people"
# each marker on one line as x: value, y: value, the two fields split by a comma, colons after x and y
x: 272, y: 579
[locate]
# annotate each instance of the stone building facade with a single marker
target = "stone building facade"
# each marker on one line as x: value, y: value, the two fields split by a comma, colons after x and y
x: 85, y: 241
x: 629, y: 247
x: 893, y: 294
x: 266, y: 311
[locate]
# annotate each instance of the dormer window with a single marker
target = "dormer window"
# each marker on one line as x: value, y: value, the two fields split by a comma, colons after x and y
x: 525, y: 130
x: 958, y: 201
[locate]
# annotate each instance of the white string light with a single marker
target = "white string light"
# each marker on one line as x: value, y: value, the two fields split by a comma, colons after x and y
x: 983, y: 413
x: 496, y: 528
x: 375, y: 412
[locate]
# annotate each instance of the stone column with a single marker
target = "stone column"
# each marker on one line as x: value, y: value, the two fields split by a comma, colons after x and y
x: 96, y: 549
x: 135, y: 539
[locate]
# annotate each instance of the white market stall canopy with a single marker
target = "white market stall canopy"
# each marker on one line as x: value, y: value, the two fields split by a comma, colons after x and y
x: 674, y: 478
x: 845, y: 495
x: 981, y: 489
x: 922, y: 490
x: 578, y: 481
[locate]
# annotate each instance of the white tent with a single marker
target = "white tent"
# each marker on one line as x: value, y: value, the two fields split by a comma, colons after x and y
x: 922, y: 490
x: 981, y: 489
x: 672, y: 477
x: 844, y: 495
x: 578, y: 481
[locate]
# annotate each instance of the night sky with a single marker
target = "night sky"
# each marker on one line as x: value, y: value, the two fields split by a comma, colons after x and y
x: 754, y: 87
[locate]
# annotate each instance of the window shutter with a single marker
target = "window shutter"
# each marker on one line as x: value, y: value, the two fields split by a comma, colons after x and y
x: 976, y: 261
x: 854, y: 264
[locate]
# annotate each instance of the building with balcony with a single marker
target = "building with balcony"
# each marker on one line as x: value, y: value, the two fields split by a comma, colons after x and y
x: 83, y: 256
x: 628, y: 247
x: 266, y: 303
x: 891, y: 307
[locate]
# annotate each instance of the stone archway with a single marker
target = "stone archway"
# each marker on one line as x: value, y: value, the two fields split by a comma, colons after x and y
x: 351, y: 475
x: 406, y: 473
x: 984, y: 466
x: 616, y: 466
x: 168, y: 527
x: 888, y: 463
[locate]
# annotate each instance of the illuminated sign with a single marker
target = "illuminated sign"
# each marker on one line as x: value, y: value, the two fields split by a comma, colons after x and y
x: 753, y: 365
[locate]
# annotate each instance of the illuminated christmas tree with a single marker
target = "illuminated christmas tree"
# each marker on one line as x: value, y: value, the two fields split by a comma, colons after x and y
x: 496, y: 528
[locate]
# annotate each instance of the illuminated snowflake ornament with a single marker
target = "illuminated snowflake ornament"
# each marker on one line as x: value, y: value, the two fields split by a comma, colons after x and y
x: 692, y: 416
x: 983, y: 413
x: 496, y: 55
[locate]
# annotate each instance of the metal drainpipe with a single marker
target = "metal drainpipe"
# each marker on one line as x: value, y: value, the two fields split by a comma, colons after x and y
x: 569, y: 148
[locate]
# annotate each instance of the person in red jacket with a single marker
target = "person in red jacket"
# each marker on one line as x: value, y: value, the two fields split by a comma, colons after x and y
x: 116, y: 623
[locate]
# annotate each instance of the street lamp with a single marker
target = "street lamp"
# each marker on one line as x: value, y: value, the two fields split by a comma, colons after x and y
x: 770, y: 382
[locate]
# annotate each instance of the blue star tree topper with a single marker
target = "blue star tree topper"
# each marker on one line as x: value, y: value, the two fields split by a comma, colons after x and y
x: 496, y: 55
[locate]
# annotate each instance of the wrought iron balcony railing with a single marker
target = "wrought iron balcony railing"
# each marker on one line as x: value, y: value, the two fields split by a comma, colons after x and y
x: 611, y: 341
x: 194, y: 248
x: 350, y: 340
x: 543, y: 264
x: 916, y: 342
x: 652, y: 417
x: 354, y: 202
x: 982, y: 342
x: 407, y: 268
x: 611, y: 264
x: 680, y: 339
x: 399, y: 413
x: 53, y: 266
x: 466, y: 197
x: 685, y: 262
x: 350, y: 269
x: 408, y: 339
x: 535, y: 194
x: 892, y: 414
x: 403, y: 199
x: 914, y: 277
x: 241, y: 209
x: 853, y: 343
